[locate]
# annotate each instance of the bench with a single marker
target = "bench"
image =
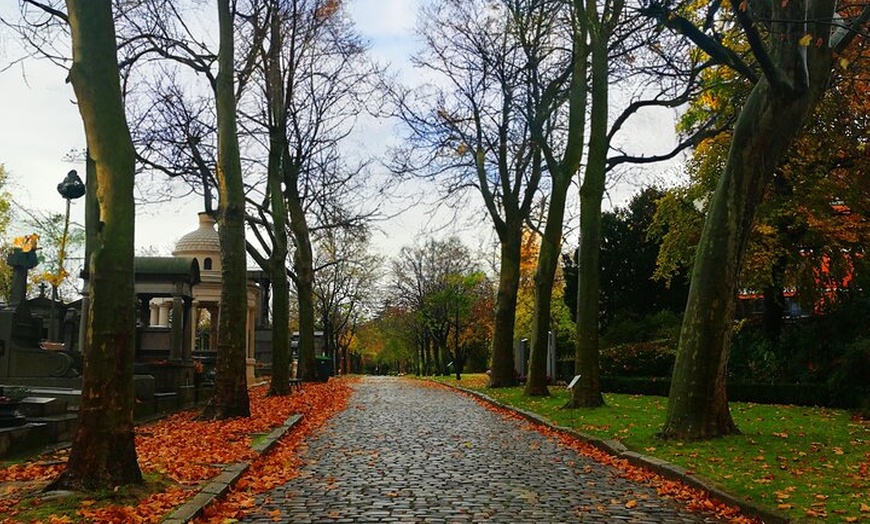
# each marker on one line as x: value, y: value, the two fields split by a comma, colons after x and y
x: 295, y: 382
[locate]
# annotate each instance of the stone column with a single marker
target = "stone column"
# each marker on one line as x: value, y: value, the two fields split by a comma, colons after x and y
x: 193, y: 319
x: 176, y: 340
x: 251, y: 323
x: 155, y: 314
x: 214, y: 312
x: 250, y: 361
x: 163, y: 313
x: 83, y: 317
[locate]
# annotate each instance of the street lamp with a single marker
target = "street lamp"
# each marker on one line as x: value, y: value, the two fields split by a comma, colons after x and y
x: 70, y: 189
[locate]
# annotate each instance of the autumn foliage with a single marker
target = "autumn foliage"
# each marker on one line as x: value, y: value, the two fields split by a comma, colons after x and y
x: 189, y: 452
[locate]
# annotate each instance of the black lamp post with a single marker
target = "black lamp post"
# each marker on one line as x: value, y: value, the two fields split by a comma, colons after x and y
x: 70, y: 189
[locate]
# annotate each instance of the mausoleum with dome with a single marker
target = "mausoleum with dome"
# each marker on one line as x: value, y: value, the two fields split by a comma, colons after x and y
x: 203, y: 245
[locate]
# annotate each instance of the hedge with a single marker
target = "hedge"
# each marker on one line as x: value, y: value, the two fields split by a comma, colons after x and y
x: 796, y: 394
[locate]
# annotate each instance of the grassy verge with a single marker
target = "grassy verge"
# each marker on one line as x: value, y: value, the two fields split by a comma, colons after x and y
x: 34, y: 506
x: 808, y: 463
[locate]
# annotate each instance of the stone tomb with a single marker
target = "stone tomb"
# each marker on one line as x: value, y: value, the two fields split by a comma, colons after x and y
x: 22, y: 360
x: 165, y: 325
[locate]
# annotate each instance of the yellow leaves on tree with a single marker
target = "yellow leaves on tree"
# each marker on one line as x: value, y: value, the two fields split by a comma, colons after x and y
x: 327, y: 9
x: 26, y: 243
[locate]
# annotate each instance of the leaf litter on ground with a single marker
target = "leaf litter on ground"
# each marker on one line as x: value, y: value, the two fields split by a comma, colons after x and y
x: 184, y: 453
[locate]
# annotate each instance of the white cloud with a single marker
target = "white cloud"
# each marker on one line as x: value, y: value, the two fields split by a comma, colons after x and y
x: 383, y: 20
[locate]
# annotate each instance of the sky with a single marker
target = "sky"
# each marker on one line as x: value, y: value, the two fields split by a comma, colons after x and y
x: 41, y: 127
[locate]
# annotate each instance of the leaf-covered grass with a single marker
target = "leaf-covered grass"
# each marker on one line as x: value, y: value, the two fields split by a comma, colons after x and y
x: 178, y: 455
x: 32, y: 506
x: 804, y: 462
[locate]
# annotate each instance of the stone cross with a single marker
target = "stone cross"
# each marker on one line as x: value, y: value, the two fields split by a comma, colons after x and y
x: 21, y: 261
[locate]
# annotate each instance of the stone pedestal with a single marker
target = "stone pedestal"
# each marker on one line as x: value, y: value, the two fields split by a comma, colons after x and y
x: 10, y: 416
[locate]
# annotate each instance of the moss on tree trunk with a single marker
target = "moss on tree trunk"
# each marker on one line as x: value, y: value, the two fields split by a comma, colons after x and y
x: 230, y: 395
x: 103, y: 453
x: 765, y: 128
x: 502, y: 372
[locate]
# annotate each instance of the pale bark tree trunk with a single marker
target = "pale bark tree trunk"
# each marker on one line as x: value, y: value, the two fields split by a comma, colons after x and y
x: 103, y: 453
x: 775, y: 111
x: 230, y: 395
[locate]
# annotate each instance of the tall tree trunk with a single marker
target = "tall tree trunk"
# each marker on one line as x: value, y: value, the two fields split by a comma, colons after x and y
x: 561, y: 172
x: 280, y: 384
x: 545, y: 274
x: 428, y: 370
x: 765, y: 128
x: 103, y: 453
x: 230, y: 395
x: 773, y: 315
x: 421, y: 363
x: 303, y: 262
x: 502, y: 372
x: 587, y: 391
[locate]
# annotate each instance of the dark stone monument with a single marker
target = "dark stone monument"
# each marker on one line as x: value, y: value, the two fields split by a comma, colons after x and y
x: 10, y: 416
x: 21, y: 357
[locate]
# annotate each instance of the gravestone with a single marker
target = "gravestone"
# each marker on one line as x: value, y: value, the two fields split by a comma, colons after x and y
x: 20, y: 354
x: 521, y: 355
x: 551, y: 357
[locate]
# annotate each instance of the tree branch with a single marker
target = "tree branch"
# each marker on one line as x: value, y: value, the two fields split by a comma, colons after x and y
x: 48, y: 9
x: 718, y: 52
x: 844, y: 36
x: 774, y: 75
x: 701, y: 134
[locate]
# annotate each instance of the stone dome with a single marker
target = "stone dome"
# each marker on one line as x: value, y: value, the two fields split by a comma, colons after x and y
x: 203, y: 241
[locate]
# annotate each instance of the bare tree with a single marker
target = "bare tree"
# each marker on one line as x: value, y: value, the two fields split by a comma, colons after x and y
x: 423, y: 280
x: 622, y: 49
x: 470, y: 132
x: 230, y: 395
x: 344, y: 289
x: 318, y: 82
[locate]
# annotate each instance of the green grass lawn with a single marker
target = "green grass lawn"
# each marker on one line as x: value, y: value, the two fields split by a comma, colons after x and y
x: 808, y: 463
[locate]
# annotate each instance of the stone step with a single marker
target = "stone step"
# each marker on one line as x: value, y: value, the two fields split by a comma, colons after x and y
x: 22, y: 438
x: 36, y: 407
x: 70, y: 397
x: 57, y: 427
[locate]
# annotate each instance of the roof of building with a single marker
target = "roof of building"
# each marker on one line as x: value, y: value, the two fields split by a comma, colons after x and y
x: 201, y: 241
x: 167, y: 268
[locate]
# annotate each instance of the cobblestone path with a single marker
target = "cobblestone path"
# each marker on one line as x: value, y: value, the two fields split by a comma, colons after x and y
x: 407, y: 453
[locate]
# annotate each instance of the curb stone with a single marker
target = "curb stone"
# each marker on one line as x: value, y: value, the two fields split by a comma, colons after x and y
x: 665, y: 469
x: 230, y: 474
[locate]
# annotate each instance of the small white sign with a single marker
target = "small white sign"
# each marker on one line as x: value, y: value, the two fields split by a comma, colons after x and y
x: 574, y: 382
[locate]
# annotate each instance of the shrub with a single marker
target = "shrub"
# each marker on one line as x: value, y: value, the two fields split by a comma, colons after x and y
x: 626, y: 328
x: 754, y: 358
x: 640, y: 359
x: 848, y: 382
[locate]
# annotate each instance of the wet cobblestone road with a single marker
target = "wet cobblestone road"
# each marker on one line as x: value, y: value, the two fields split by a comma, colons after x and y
x: 402, y: 452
